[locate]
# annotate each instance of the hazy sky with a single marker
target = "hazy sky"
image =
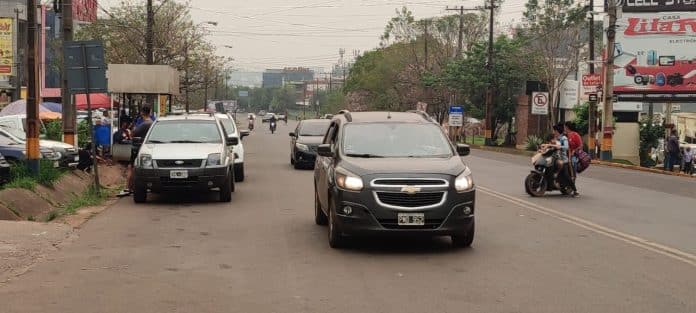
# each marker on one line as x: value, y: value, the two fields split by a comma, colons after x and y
x: 278, y: 33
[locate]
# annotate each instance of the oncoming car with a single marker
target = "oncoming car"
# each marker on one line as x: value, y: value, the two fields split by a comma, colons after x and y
x: 381, y: 173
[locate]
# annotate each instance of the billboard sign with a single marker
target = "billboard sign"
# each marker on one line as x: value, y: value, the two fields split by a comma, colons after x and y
x: 540, y: 103
x: 6, y: 49
x: 590, y: 83
x: 655, y: 55
x: 569, y: 94
x: 657, y: 5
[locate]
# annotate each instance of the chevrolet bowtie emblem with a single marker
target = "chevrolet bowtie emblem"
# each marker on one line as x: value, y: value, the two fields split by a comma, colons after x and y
x: 411, y: 190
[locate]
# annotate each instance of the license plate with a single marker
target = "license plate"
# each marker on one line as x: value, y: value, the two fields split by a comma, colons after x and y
x: 411, y: 219
x: 77, y: 159
x: 178, y: 174
x: 56, y: 164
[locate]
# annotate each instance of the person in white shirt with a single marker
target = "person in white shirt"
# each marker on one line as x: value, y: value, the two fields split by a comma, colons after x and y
x: 688, y: 161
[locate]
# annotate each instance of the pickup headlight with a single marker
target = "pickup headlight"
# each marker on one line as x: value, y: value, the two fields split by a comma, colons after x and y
x: 214, y: 159
x: 464, y: 181
x: 302, y: 147
x: 348, y: 181
x: 145, y: 161
x: 57, y: 155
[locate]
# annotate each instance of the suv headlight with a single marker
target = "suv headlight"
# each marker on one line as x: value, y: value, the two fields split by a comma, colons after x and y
x: 348, y: 181
x: 464, y: 181
x: 302, y: 146
x: 214, y: 159
x: 145, y: 161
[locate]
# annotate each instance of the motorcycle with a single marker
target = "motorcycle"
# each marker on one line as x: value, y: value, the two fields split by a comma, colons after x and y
x: 251, y: 125
x: 273, y: 127
x: 543, y: 178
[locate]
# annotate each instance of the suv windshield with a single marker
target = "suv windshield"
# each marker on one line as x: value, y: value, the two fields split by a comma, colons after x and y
x: 395, y: 140
x: 313, y: 129
x: 185, y: 132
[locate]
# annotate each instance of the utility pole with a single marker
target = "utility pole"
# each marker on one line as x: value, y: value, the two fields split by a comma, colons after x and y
x: 69, y: 114
x: 461, y: 28
x: 33, y: 154
x: 426, y: 26
x: 608, y: 121
x: 18, y: 60
x: 186, y: 75
x: 150, y: 42
x: 489, y: 65
x: 592, y: 110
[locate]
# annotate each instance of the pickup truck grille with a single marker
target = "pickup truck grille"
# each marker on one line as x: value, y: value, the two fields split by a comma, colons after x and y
x: 184, y: 163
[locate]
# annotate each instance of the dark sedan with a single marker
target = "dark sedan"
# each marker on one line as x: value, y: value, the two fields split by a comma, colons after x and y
x: 305, y: 140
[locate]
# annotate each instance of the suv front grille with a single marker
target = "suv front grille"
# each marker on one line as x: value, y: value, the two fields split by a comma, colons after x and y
x: 410, y: 182
x: 405, y: 200
x: 184, y: 163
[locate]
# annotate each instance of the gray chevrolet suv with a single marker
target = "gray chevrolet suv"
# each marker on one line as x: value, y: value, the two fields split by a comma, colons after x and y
x: 394, y: 174
x: 185, y: 153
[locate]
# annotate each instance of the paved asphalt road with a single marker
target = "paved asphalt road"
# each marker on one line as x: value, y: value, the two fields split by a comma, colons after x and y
x: 627, y: 245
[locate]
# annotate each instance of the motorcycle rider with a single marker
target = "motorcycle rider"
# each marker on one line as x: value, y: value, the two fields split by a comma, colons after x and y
x: 563, y: 163
x: 251, y: 122
x: 273, y: 122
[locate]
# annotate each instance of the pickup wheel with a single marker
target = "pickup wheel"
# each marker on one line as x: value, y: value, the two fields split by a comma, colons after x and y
x: 226, y: 190
x: 139, y: 194
x: 239, y: 172
x: 319, y: 217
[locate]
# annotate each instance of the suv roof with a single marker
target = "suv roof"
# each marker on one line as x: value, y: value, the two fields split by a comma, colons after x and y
x: 367, y: 117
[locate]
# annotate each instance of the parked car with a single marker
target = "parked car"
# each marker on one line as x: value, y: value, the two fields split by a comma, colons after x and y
x: 304, y: 142
x: 186, y: 152
x: 231, y: 129
x: 392, y: 173
x: 67, y: 154
x: 327, y: 116
x: 4, y: 170
x: 15, y: 151
x: 267, y: 117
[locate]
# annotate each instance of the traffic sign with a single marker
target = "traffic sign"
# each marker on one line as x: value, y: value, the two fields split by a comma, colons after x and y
x: 540, y: 103
x: 456, y: 116
x: 593, y: 97
x: 591, y: 83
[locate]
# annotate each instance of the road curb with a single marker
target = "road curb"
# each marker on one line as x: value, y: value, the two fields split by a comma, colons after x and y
x: 596, y: 162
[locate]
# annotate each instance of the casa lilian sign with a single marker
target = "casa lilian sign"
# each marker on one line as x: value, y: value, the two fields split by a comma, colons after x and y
x: 657, y: 5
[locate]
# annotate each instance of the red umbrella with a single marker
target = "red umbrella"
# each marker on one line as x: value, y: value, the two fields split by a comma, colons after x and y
x: 99, y: 101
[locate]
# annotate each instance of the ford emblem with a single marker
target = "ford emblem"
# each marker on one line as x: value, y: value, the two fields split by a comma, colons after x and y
x: 179, y: 162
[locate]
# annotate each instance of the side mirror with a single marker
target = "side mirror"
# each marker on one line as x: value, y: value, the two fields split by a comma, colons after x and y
x: 232, y: 141
x: 293, y: 135
x: 463, y: 150
x: 244, y: 133
x: 325, y: 151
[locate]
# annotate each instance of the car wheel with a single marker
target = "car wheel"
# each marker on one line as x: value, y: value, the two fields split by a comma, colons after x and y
x: 226, y: 190
x: 319, y: 217
x: 464, y: 240
x: 239, y: 172
x: 292, y: 161
x: 139, y: 194
x: 297, y: 165
x: 336, y: 238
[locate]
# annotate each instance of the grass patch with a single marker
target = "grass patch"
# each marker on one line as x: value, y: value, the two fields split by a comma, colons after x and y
x: 21, y: 177
x: 620, y: 161
x: 90, y: 198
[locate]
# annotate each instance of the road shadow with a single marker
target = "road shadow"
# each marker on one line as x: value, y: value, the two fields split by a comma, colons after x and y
x: 183, y: 198
x: 390, y: 245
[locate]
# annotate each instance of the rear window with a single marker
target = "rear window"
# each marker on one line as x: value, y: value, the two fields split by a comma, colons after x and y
x: 185, y: 132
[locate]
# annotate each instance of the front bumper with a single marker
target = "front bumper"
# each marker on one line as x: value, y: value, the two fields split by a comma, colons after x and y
x: 4, y: 173
x: 69, y: 160
x: 202, y: 179
x: 370, y: 217
x: 305, y: 157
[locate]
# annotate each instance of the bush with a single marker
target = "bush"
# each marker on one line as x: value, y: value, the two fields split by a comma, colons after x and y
x: 54, y: 130
x: 48, y: 174
x: 21, y: 177
x: 533, y: 143
x: 650, y: 134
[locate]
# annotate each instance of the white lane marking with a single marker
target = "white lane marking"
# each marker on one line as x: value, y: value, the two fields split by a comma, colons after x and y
x: 670, y: 252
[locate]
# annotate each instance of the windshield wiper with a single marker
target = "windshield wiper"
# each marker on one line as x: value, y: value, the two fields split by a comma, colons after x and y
x: 364, y: 155
x: 156, y: 141
x: 185, y: 141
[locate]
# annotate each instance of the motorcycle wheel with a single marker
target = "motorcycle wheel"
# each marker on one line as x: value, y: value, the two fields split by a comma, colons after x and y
x: 535, y: 185
x: 566, y: 191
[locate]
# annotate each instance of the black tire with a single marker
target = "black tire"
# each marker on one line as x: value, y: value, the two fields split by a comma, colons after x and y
x: 319, y: 217
x: 465, y: 240
x: 535, y: 185
x: 139, y: 194
x: 226, y: 190
x: 297, y: 165
x: 239, y: 172
x: 567, y: 191
x: 292, y: 160
x: 336, y: 238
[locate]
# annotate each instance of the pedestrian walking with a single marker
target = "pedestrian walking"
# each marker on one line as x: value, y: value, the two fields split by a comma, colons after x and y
x: 688, y: 161
x: 673, y: 151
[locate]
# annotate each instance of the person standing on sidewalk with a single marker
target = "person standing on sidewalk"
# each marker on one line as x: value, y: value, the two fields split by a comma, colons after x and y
x: 673, y: 151
x: 688, y: 161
